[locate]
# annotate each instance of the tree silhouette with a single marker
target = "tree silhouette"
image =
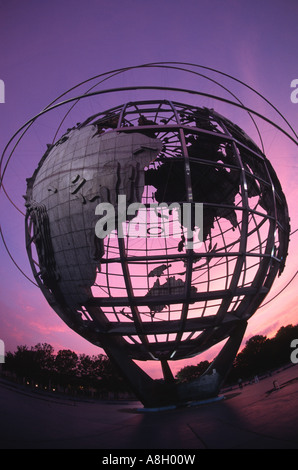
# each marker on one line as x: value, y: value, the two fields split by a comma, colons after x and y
x: 262, y: 354
x: 66, y: 369
x: 35, y: 363
x: 189, y: 373
x: 252, y: 359
x: 66, y: 362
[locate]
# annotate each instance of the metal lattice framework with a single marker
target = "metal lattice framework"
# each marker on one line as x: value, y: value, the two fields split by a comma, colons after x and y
x: 204, y: 158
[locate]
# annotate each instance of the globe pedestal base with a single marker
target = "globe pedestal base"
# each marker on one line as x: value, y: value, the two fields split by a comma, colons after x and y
x: 154, y: 394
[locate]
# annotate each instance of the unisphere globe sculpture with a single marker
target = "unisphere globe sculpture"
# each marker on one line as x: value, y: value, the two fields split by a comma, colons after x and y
x: 155, y: 230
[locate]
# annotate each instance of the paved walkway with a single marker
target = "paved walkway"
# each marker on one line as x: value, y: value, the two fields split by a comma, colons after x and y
x: 256, y: 417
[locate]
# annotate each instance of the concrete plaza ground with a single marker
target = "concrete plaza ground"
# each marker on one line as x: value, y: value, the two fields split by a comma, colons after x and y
x: 255, y: 417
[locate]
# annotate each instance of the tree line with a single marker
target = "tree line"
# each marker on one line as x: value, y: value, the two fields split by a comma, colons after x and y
x: 65, y: 371
x: 259, y: 356
x: 82, y: 374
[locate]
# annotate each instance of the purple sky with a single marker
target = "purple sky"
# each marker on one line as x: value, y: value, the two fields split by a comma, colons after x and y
x: 47, y: 47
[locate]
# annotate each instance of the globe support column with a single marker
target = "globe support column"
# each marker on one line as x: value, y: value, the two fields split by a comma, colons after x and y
x: 154, y: 394
x: 209, y: 384
x: 151, y: 393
